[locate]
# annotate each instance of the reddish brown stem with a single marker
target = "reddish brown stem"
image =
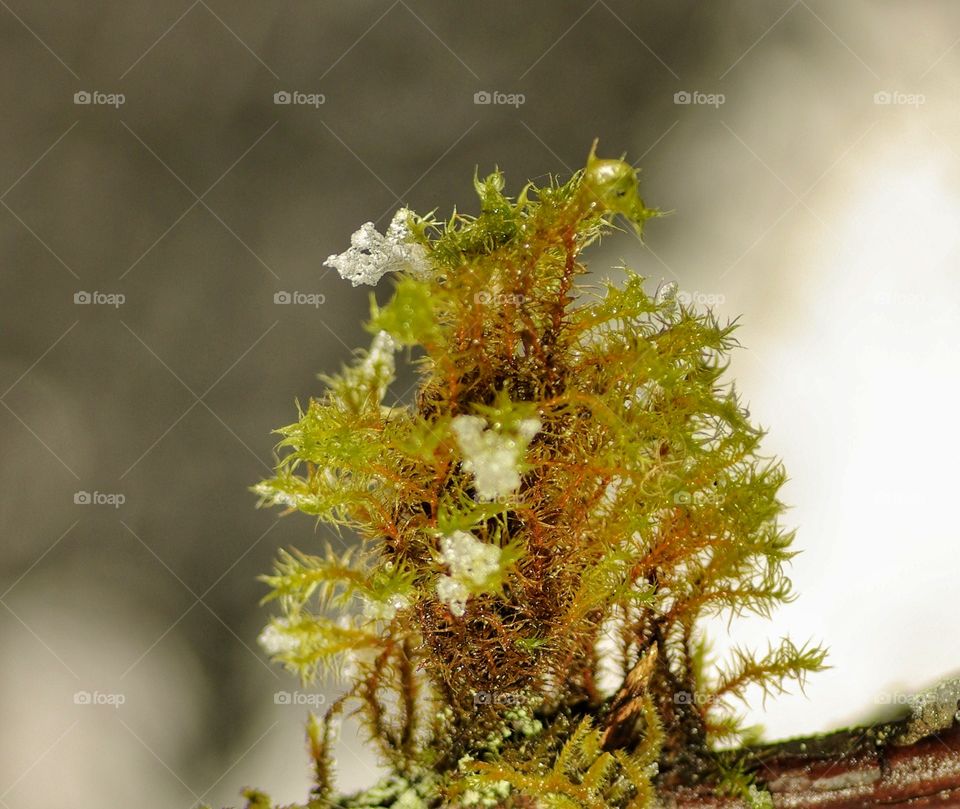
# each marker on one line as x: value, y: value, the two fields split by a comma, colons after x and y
x: 852, y: 769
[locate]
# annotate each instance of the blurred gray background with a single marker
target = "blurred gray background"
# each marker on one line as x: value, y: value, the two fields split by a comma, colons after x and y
x: 810, y: 149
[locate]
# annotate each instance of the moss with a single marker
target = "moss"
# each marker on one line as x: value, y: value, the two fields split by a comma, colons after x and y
x: 574, y: 486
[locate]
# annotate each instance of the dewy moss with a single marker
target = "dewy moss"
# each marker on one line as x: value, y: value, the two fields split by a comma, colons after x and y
x: 574, y: 488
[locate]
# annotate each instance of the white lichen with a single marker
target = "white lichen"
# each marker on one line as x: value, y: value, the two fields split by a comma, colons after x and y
x: 453, y: 593
x: 276, y: 638
x: 486, y: 795
x: 369, y: 379
x: 524, y: 722
x: 372, y: 255
x: 383, y: 793
x: 411, y: 255
x: 932, y: 710
x: 379, y: 367
x: 356, y: 662
x: 281, y: 498
x: 608, y: 499
x: 493, y: 456
x: 409, y: 799
x: 469, y: 559
x: 758, y: 798
x: 383, y: 610
x: 472, y: 563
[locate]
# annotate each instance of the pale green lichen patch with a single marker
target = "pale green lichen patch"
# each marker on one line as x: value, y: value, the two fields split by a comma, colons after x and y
x: 757, y: 798
x: 486, y: 795
x: 934, y: 709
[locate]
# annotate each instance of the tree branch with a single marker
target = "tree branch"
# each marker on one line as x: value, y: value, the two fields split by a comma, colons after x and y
x: 852, y: 769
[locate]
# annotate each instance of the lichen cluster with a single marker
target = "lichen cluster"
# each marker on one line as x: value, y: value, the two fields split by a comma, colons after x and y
x: 543, y: 530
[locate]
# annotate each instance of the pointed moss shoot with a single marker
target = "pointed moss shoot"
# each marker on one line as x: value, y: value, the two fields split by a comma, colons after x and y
x: 574, y: 489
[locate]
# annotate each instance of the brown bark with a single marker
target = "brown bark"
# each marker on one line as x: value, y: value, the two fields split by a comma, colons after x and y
x: 851, y: 769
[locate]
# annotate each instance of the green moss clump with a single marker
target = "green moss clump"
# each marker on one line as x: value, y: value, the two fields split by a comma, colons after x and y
x: 573, y: 490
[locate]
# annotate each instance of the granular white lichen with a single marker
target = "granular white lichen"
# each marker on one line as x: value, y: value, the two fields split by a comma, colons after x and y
x: 758, y: 798
x: 409, y: 799
x: 372, y: 255
x: 608, y: 500
x: 367, y: 381
x: 934, y: 709
x: 453, y: 593
x: 383, y: 793
x: 469, y: 558
x: 471, y: 563
x: 524, y: 722
x: 486, y: 795
x: 356, y: 661
x: 276, y: 638
x: 378, y: 367
x: 493, y: 456
x: 383, y: 610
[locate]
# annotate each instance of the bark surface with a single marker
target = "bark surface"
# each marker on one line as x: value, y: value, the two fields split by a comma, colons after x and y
x: 861, y: 767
